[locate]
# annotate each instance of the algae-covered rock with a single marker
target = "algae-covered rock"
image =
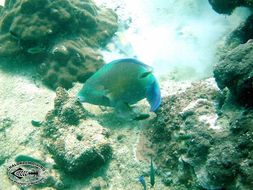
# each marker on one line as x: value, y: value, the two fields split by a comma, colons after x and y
x: 63, y: 35
x: 224, y: 6
x: 202, y: 140
x: 221, y: 168
x: 241, y: 138
x: 234, y: 66
x: 234, y: 71
x: 78, y: 145
x: 227, y: 6
x: 242, y: 34
x: 184, y: 130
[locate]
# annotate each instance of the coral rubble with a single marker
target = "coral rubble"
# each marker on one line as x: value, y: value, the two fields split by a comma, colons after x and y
x: 78, y: 144
x: 63, y: 35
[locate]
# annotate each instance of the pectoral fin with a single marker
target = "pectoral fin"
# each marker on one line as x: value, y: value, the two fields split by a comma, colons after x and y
x: 145, y: 74
x: 124, y: 110
x: 109, y: 96
x: 154, y: 96
x: 123, y: 107
x: 108, y: 99
x: 141, y: 116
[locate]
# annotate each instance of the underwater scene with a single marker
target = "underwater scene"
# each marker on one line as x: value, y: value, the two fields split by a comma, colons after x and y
x: 126, y: 95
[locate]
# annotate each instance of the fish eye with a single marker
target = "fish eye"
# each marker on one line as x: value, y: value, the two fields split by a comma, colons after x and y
x: 105, y: 98
x: 78, y: 98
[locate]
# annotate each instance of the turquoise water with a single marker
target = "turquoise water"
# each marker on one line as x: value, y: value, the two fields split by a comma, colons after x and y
x: 175, y: 115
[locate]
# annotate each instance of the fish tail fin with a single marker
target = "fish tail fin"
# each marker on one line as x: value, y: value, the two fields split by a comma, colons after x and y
x: 154, y: 96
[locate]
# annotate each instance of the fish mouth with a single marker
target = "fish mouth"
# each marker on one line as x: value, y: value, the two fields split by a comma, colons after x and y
x: 80, y: 98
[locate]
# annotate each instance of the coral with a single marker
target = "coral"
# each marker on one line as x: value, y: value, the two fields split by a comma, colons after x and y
x: 78, y: 145
x: 227, y: 6
x: 234, y: 67
x: 69, y: 62
x: 221, y: 167
x: 234, y: 71
x: 43, y: 31
x: 8, y: 45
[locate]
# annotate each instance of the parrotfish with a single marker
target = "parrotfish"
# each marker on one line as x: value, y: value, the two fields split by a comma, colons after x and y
x: 122, y: 83
x: 36, y: 49
x: 25, y: 158
x: 152, y: 173
x: 143, y: 183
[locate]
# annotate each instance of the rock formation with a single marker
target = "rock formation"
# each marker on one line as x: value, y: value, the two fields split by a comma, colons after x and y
x: 63, y: 36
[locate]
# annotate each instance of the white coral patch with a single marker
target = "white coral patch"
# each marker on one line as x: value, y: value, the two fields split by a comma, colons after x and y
x: 194, y: 104
x: 210, y: 120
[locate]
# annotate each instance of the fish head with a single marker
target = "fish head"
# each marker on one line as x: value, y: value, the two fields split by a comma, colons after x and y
x: 93, y: 96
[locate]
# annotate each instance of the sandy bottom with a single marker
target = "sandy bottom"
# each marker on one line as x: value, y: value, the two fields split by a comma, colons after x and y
x: 21, y: 102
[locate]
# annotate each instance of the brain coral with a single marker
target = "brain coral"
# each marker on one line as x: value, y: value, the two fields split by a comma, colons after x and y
x: 38, y: 29
x: 69, y: 62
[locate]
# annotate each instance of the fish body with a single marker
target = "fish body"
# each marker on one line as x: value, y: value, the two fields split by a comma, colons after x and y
x: 152, y: 173
x: 36, y: 49
x: 142, y: 181
x: 121, y: 83
x: 25, y: 158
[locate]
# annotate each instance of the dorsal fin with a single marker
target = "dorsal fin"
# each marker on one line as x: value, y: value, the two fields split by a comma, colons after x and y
x: 132, y: 60
x: 154, y: 96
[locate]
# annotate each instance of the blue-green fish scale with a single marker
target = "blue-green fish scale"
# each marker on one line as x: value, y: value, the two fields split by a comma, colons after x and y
x: 120, y: 81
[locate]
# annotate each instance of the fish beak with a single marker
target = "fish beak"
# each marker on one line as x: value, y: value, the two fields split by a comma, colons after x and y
x: 80, y: 98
